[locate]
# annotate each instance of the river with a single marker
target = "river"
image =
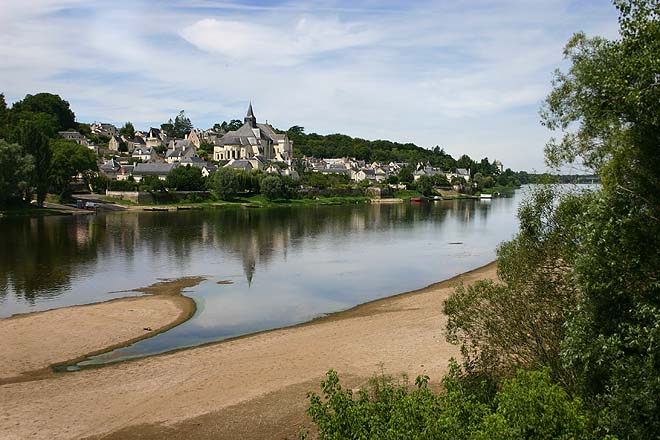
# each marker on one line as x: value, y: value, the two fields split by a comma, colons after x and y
x: 277, y: 266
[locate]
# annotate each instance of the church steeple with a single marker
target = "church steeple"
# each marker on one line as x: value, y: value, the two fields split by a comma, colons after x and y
x: 250, y: 118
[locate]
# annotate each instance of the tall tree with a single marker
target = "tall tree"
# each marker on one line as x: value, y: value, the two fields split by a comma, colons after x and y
x: 16, y: 169
x: 69, y: 160
x: 50, y: 104
x: 4, y: 115
x: 35, y: 143
x: 182, y: 125
x: 127, y: 130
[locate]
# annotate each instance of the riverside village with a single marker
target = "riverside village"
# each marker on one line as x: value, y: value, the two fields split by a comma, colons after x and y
x: 134, y: 165
x: 345, y: 220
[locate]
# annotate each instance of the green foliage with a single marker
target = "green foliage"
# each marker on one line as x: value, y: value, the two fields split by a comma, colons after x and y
x: 128, y: 131
x: 324, y: 181
x: 406, y: 175
x: 151, y: 184
x: 98, y: 182
x: 16, y: 169
x: 4, y: 116
x: 122, y: 185
x: 529, y: 407
x: 179, y: 128
x: 272, y: 187
x: 424, y: 185
x: 185, y: 179
x: 519, y: 323
x: 532, y: 407
x: 224, y: 183
x: 69, y: 159
x: 607, y: 106
x: 339, y: 145
x: 50, y: 104
x: 35, y: 143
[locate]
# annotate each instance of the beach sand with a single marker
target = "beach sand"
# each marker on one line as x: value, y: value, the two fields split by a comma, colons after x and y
x: 251, y: 387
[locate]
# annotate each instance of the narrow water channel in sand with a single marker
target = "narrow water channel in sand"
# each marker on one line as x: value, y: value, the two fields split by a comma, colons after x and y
x: 264, y: 268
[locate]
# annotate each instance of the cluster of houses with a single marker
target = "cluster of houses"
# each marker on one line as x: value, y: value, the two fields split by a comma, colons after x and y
x: 376, y: 172
x: 253, y: 146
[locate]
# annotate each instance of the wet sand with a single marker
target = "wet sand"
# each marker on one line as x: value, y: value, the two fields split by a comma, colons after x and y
x: 250, y: 387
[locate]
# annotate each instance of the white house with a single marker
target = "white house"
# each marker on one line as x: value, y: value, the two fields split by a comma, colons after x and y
x: 146, y: 154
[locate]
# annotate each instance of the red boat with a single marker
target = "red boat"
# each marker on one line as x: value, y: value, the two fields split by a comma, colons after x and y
x: 418, y: 199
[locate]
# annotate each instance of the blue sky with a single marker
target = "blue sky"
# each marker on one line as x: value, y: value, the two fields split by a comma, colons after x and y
x: 469, y: 76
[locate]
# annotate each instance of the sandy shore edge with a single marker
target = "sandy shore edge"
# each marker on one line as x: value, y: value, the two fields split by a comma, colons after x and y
x: 251, y: 387
x: 162, y: 308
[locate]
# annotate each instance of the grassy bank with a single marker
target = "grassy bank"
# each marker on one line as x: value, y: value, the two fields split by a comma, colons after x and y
x: 250, y: 201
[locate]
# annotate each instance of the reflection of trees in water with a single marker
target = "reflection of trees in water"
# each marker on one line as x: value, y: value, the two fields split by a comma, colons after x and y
x: 38, y: 257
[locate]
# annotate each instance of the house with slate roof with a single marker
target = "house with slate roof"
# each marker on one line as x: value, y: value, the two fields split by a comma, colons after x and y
x: 110, y: 168
x: 180, y: 149
x: 160, y: 170
x: 145, y: 154
x: 253, y: 139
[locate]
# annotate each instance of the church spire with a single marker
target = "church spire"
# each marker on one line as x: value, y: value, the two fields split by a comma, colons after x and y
x: 250, y: 118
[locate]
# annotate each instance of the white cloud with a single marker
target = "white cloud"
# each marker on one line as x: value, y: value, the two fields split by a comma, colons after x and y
x: 468, y: 76
x: 277, y: 44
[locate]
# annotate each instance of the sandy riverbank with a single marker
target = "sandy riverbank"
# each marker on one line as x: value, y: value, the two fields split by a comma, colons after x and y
x: 251, y: 387
x: 32, y: 342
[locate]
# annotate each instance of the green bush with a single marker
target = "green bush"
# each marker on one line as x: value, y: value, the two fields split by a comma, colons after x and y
x: 528, y: 407
x: 122, y: 185
x: 224, y: 183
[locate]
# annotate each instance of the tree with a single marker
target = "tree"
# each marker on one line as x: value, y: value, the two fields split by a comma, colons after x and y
x: 152, y: 184
x: 272, y: 187
x: 406, y: 175
x: 35, y: 143
x: 424, y: 185
x: 68, y: 161
x: 224, y: 183
x: 234, y: 124
x: 16, y: 169
x: 185, y: 178
x: 607, y: 109
x: 519, y: 323
x: 127, y: 130
x: 50, y: 104
x: 465, y: 162
x: 182, y: 125
x: 168, y: 128
x: 4, y: 116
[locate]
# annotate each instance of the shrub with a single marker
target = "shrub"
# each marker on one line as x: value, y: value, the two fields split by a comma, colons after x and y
x: 224, y: 183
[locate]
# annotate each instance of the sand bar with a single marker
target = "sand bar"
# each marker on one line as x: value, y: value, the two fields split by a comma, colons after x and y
x: 32, y: 342
x: 250, y: 387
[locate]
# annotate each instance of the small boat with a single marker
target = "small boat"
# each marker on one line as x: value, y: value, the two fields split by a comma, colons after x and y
x: 486, y: 196
x: 418, y: 199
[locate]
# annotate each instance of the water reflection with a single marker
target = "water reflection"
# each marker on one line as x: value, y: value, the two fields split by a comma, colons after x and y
x: 287, y: 265
x: 40, y: 257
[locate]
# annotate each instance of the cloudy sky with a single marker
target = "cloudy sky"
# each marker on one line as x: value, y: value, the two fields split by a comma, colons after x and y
x: 468, y: 75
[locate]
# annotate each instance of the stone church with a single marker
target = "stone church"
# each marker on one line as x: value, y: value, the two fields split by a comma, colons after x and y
x: 251, y: 140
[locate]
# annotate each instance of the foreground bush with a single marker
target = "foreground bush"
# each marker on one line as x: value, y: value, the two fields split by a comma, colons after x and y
x: 529, y: 407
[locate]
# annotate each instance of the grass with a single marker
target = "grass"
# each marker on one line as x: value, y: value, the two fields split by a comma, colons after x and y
x: 406, y: 194
x: 250, y: 201
x: 499, y: 189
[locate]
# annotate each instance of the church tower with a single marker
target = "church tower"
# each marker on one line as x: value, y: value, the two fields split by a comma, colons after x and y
x: 250, y: 118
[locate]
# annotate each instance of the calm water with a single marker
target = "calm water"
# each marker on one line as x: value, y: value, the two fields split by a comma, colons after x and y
x: 287, y: 265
